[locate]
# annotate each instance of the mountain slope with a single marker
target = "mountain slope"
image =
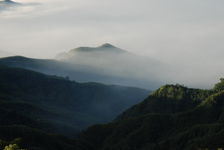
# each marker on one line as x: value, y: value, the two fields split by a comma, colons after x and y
x: 79, y: 73
x: 147, y: 125
x: 105, y: 64
x: 114, y: 61
x: 173, y: 117
x: 168, y: 99
x: 58, y: 105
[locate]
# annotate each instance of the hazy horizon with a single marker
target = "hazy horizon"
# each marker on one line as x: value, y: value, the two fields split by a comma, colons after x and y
x: 187, y: 35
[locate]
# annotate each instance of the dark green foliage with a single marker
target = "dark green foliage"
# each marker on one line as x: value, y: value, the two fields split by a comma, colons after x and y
x: 168, y: 99
x: 172, y: 118
x: 12, y: 147
x: 219, y: 86
x: 59, y: 101
x: 33, y: 138
x: 35, y: 107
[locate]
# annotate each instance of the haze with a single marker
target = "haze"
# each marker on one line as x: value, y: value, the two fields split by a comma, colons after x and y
x: 187, y: 35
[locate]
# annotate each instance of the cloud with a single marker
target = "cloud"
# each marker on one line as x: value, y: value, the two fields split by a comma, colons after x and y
x: 30, y: 9
x: 187, y: 35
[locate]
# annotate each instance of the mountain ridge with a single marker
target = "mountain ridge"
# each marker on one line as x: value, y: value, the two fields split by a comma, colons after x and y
x: 199, y: 126
x: 104, y: 49
x: 108, y: 70
x: 173, y: 117
x: 65, y: 104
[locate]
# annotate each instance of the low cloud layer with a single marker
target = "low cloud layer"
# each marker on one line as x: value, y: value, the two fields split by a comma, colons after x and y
x: 187, y: 35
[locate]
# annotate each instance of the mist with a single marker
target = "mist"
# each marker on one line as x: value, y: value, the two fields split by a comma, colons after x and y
x: 185, y: 37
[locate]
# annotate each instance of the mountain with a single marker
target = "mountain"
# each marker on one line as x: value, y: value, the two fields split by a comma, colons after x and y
x: 106, y: 64
x: 168, y: 99
x: 5, y: 4
x: 57, y: 105
x: 110, y: 60
x: 102, y: 50
x: 36, y: 108
x: 80, y: 73
x: 174, y: 117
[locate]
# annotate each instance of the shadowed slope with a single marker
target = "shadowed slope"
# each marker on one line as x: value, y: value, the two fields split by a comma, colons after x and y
x: 65, y: 106
x: 162, y: 122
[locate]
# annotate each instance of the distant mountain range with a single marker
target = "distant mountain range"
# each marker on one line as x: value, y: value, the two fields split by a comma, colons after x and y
x: 48, y: 112
x: 106, y: 64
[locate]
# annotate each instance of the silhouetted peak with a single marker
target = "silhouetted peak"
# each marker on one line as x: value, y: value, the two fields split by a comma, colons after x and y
x: 107, y: 45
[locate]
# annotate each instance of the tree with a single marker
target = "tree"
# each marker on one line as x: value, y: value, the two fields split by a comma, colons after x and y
x: 220, y: 86
x: 13, y: 147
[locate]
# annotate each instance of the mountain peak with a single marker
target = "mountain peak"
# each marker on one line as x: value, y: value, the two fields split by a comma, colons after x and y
x: 103, y: 50
x: 107, y: 45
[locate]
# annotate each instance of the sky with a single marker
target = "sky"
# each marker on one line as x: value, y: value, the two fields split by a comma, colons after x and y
x: 187, y: 34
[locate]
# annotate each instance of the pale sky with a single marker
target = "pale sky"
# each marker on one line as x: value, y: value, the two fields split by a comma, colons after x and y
x: 185, y: 33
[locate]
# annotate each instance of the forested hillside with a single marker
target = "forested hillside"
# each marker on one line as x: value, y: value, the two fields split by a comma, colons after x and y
x: 174, y: 118
x: 34, y: 106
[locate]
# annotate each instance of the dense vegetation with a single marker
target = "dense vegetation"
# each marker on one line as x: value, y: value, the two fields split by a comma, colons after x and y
x: 173, y: 118
x: 35, y: 107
